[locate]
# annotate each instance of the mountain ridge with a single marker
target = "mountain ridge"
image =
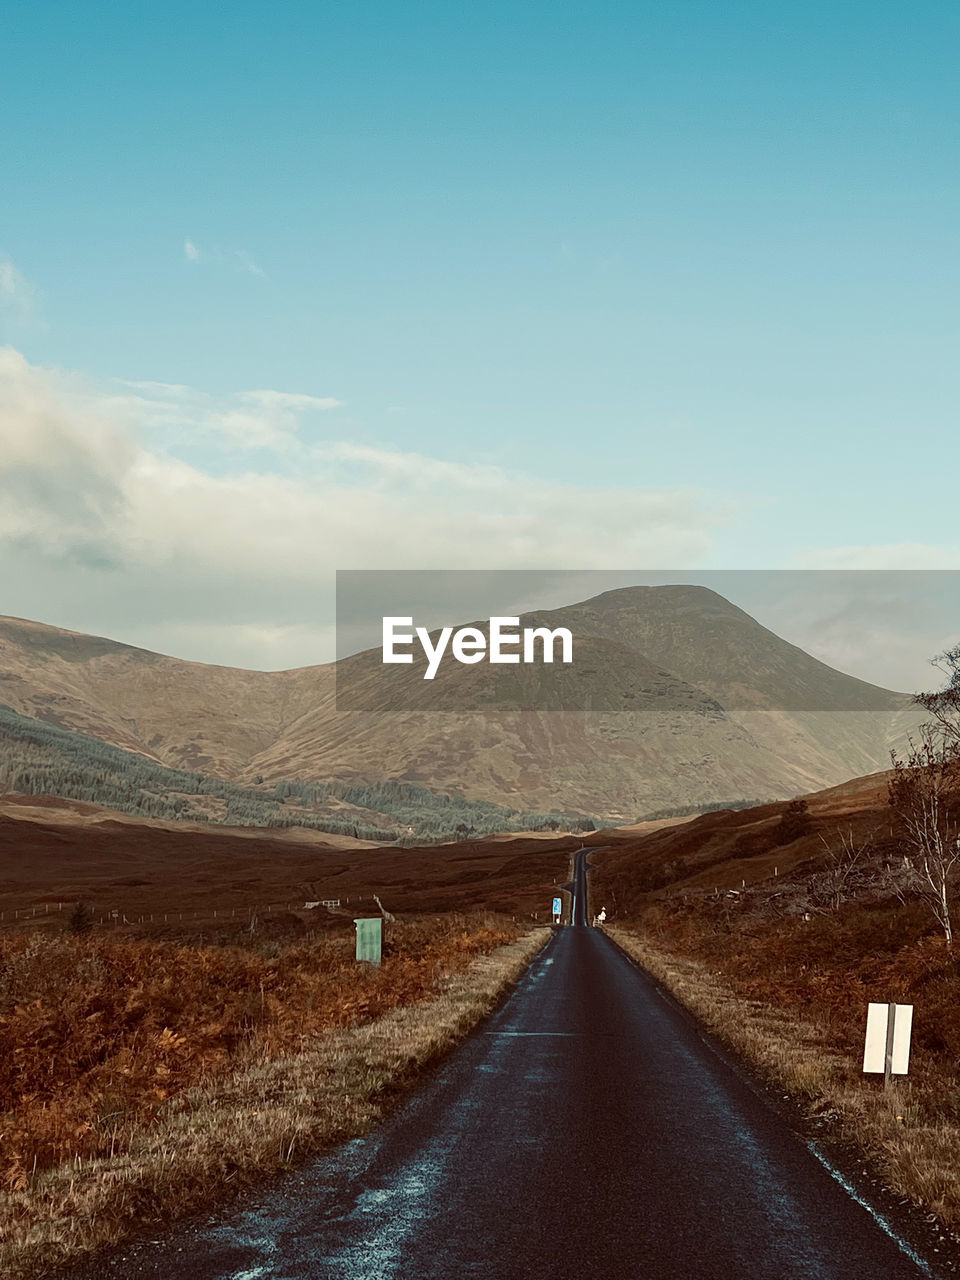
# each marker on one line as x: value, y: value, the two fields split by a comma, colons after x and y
x: 683, y: 698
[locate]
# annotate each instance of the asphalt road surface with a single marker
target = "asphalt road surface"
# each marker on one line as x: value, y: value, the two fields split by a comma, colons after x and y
x: 586, y: 1130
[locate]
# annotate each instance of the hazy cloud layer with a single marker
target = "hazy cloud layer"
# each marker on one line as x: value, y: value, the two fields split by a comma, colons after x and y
x: 893, y: 555
x: 104, y: 528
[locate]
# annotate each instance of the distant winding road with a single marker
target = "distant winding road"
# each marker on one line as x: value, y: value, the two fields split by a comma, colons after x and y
x: 585, y: 1130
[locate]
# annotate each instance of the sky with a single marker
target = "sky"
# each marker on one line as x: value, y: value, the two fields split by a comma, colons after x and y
x: 296, y: 287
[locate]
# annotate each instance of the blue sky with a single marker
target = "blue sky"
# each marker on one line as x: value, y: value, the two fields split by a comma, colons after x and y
x: 632, y: 253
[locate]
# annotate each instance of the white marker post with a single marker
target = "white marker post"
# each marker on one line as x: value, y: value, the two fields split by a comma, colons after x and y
x: 557, y: 910
x: 886, y: 1048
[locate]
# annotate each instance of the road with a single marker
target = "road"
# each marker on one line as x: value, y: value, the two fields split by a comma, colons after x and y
x: 585, y: 1130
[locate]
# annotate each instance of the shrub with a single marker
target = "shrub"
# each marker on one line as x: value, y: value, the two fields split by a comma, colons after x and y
x: 80, y: 920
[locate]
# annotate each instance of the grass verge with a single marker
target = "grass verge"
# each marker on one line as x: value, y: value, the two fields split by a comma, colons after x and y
x: 901, y: 1132
x: 268, y: 1108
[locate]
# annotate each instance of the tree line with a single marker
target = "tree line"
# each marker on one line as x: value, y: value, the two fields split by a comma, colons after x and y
x: 37, y: 758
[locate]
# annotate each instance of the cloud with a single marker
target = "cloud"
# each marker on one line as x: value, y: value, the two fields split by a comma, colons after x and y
x: 267, y: 419
x: 245, y: 262
x: 17, y: 295
x: 12, y: 282
x: 61, y: 473
x: 882, y: 624
x: 235, y: 259
x: 290, y: 401
x: 102, y: 530
x: 176, y: 415
x: 160, y: 390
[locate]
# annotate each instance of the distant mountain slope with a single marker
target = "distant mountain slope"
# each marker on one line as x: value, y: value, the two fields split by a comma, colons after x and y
x: 677, y: 697
x: 183, y: 714
x: 39, y: 759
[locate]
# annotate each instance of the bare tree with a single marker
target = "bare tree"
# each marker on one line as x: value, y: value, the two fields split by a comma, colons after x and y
x: 845, y: 856
x: 944, y: 704
x: 924, y: 794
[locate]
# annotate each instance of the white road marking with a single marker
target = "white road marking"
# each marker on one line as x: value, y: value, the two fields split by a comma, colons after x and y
x: 882, y: 1222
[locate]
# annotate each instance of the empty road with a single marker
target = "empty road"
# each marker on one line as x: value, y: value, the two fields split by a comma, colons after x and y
x: 586, y: 1130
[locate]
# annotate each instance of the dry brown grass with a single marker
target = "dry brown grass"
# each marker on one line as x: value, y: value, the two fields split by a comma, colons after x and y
x: 300, y: 1078
x: 906, y: 1133
x: 195, y: 884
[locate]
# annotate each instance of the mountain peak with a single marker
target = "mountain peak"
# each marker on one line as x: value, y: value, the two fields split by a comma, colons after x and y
x: 678, y: 596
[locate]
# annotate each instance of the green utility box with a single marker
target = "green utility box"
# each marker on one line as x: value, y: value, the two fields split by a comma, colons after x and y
x: 369, y: 939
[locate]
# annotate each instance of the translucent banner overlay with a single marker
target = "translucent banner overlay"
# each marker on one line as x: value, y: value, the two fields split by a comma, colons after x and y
x: 668, y: 648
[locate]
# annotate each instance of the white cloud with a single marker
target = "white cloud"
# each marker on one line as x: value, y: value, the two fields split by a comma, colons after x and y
x: 17, y: 295
x: 61, y: 473
x: 177, y: 414
x: 290, y: 401
x: 11, y: 281
x: 245, y: 262
x: 266, y: 419
x: 235, y: 259
x: 102, y: 531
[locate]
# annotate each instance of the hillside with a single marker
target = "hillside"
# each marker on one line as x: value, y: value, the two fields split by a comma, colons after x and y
x: 727, y: 849
x: 39, y: 759
x: 183, y: 714
x: 677, y: 697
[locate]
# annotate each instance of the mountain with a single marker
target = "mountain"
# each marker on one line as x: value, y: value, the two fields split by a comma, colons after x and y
x: 824, y: 724
x: 183, y: 714
x: 676, y: 698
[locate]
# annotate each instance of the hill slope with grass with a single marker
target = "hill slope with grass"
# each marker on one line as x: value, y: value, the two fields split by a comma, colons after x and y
x: 40, y: 759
